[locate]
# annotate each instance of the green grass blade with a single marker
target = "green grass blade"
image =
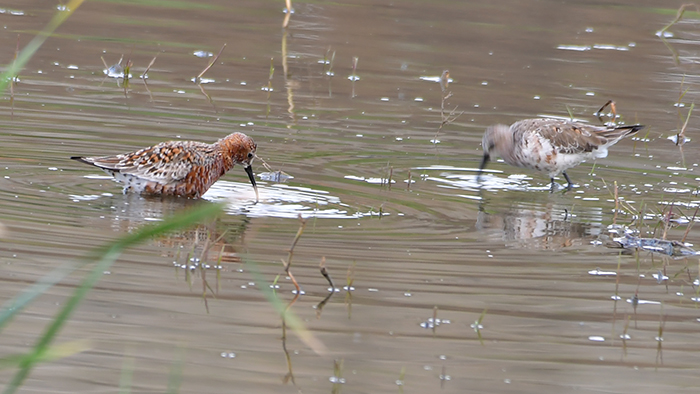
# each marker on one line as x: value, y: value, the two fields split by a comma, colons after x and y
x: 17, y: 304
x: 108, y: 256
x: 126, y: 376
x: 293, y: 322
x: 175, y: 377
x: 28, y: 51
x: 54, y: 353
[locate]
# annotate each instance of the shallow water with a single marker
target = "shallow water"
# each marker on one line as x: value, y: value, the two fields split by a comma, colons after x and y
x: 556, y: 301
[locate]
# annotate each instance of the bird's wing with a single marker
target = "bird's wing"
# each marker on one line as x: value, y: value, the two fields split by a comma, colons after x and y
x: 571, y: 137
x: 163, y: 163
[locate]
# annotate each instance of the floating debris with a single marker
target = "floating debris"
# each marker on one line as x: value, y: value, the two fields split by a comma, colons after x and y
x: 434, y: 79
x: 434, y: 322
x: 115, y: 71
x: 11, y: 12
x: 678, y: 141
x: 578, y: 48
x: 203, y: 54
x: 275, y: 176
x: 202, y: 80
x: 656, y: 245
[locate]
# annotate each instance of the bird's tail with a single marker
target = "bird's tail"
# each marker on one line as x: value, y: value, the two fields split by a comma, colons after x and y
x: 82, y: 159
x: 619, y: 132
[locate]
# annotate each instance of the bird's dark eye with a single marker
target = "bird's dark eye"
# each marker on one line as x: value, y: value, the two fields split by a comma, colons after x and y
x: 250, y: 155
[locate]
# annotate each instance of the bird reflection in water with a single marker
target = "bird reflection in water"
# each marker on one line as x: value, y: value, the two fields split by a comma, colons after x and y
x: 530, y: 226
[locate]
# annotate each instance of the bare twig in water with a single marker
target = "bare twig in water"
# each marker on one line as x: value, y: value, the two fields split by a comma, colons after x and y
x: 290, y: 373
x: 285, y: 22
x: 617, y: 204
x: 116, y: 68
x: 477, y: 326
x: 679, y: 15
x: 681, y: 94
x: 624, y: 335
x: 325, y: 273
x: 402, y: 376
x: 408, y: 184
x: 383, y: 180
x: 659, y: 339
x: 105, y: 62
x: 288, y: 264
x: 145, y: 85
x: 613, y: 109
x: 149, y: 67
x: 571, y: 114
x: 391, y: 174
x: 127, y: 70
x: 289, y: 83
x: 354, y: 76
x: 690, y: 224
x: 207, y: 96
x: 338, y: 376
x: 269, y: 79
x: 328, y: 61
x: 350, y: 279
x: 300, y: 231
x: 264, y: 163
x: 435, y: 323
x: 330, y: 74
x: 617, y: 287
x: 667, y: 219
x: 680, y: 138
x: 331, y: 291
x: 452, y: 116
x: 625, y: 205
x: 203, y: 271
x: 662, y: 33
x: 211, y: 64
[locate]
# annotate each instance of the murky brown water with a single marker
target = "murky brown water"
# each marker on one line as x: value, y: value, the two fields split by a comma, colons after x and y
x: 527, y: 257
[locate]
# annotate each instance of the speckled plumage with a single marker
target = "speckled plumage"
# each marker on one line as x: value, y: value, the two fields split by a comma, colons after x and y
x: 551, y: 145
x: 178, y: 168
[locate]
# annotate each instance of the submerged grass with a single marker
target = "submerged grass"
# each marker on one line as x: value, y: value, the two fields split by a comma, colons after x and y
x: 104, y: 258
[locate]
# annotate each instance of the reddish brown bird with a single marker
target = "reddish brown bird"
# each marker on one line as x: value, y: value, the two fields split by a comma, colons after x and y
x: 178, y: 168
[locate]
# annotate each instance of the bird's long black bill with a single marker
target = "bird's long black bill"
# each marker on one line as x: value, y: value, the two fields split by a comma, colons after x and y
x: 249, y: 171
x: 484, y: 161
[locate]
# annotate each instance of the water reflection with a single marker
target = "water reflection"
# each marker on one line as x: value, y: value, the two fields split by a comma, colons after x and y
x: 533, y: 226
x: 466, y: 178
x: 276, y: 200
x: 127, y: 212
x: 281, y: 201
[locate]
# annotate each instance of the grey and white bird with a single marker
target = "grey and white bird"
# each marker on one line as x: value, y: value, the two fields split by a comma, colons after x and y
x: 551, y: 145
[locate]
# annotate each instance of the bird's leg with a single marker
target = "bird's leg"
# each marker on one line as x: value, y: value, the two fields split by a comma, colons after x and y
x: 570, y: 185
x: 551, y: 188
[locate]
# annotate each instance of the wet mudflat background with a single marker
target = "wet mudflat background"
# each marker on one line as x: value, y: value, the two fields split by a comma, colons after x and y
x: 557, y: 303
